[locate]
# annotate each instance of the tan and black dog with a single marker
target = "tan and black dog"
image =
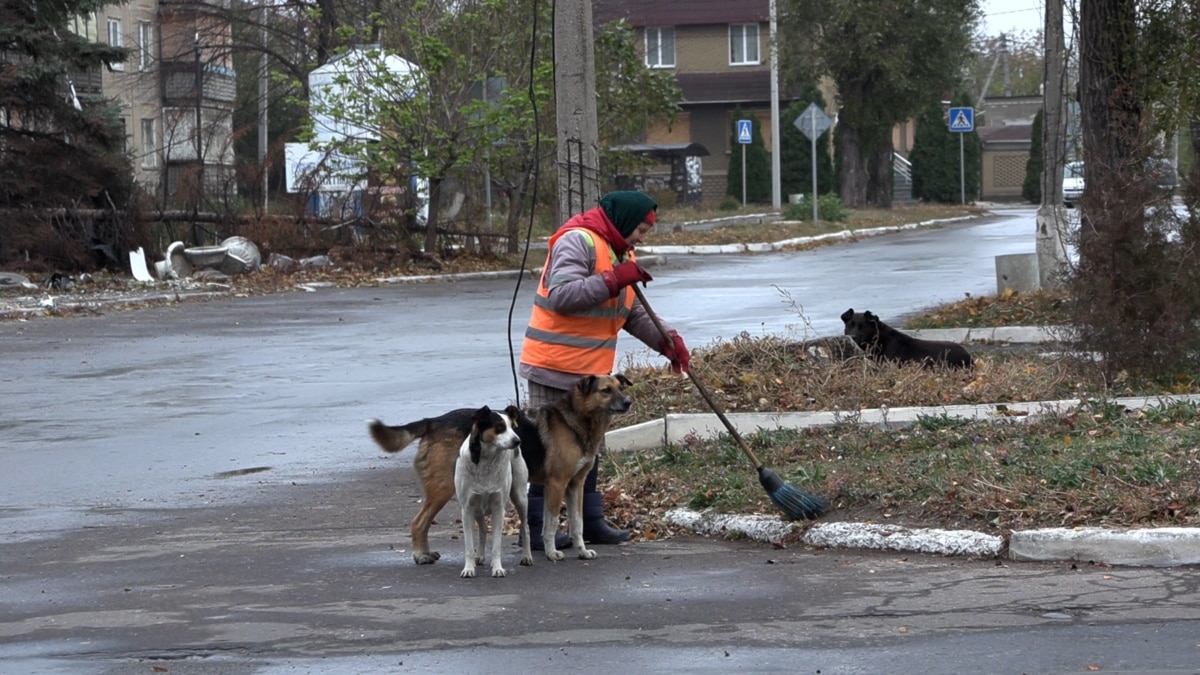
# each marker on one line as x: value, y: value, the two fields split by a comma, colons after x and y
x: 559, y: 443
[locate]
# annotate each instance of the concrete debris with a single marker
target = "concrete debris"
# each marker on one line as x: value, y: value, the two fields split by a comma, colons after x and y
x: 235, y: 255
x: 13, y: 280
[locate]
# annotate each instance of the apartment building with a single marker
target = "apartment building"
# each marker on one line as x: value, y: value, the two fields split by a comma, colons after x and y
x: 177, y: 49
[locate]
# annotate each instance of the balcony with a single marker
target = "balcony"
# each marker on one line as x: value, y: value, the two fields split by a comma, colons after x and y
x: 179, y: 82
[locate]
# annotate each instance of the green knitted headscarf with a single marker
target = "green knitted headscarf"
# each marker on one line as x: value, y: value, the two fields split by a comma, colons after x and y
x: 627, y: 209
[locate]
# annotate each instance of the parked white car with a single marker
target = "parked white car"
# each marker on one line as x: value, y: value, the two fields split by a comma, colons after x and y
x: 1072, y: 183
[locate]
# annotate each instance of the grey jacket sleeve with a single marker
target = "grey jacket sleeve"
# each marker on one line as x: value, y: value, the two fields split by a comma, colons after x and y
x: 642, y: 327
x: 571, y: 277
x: 575, y: 286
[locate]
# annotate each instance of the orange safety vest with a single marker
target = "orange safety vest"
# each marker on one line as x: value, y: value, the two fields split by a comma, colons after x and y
x: 584, y: 343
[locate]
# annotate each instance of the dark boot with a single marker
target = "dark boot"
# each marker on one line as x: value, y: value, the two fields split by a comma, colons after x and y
x: 537, y: 504
x: 595, y: 529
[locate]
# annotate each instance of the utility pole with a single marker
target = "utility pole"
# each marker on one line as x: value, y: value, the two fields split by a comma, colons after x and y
x: 1051, y: 216
x: 262, y: 104
x: 776, y: 178
x: 199, y: 140
x: 575, y: 98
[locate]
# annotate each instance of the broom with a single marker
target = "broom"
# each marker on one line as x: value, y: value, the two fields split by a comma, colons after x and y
x: 795, y: 504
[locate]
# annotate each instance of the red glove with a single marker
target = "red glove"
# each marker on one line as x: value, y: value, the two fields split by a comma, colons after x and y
x: 676, y: 351
x: 625, y: 274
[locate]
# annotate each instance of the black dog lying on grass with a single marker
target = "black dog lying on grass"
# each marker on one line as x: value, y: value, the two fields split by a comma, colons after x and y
x: 881, y: 341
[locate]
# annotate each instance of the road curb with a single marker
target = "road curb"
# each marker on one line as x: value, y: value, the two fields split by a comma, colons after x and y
x: 1142, y: 547
x: 1137, y: 547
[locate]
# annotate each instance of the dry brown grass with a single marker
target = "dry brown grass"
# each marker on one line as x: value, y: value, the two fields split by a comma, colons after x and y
x: 1100, y: 465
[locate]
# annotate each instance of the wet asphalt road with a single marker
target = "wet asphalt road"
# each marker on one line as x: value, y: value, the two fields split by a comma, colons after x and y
x: 191, y: 488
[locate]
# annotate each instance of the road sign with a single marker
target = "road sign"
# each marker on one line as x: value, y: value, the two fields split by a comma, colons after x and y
x: 962, y: 120
x: 743, y: 132
x: 813, y: 121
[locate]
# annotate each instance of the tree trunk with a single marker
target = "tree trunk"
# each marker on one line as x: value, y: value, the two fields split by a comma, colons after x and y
x: 879, y: 175
x: 851, y: 171
x: 431, y: 222
x: 1110, y: 111
x: 1192, y: 189
x: 327, y: 28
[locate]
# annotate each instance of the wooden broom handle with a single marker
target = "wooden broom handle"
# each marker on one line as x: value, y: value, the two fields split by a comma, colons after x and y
x: 712, y: 403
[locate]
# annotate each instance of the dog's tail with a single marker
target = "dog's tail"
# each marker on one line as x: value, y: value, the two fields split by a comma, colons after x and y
x: 395, y: 439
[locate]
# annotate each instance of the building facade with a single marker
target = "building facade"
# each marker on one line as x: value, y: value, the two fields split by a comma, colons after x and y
x: 179, y: 71
x: 719, y: 52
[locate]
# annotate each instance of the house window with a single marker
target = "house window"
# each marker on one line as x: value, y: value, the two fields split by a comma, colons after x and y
x: 116, y: 39
x: 84, y: 25
x: 743, y: 44
x: 149, y: 144
x: 660, y: 47
x: 145, y: 45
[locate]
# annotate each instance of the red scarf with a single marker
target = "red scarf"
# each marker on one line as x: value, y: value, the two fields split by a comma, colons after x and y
x: 597, y: 221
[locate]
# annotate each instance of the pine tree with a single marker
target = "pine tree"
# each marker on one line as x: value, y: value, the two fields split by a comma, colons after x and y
x: 758, y: 162
x: 1031, y: 189
x: 56, y: 149
x: 795, y: 149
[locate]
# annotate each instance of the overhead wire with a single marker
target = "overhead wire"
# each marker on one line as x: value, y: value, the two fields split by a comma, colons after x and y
x: 537, y: 141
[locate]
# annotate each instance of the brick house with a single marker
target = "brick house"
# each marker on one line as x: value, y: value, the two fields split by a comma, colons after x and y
x: 720, y: 53
x: 1005, y: 125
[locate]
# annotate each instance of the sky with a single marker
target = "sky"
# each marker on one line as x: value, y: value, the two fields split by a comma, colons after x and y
x: 1009, y: 16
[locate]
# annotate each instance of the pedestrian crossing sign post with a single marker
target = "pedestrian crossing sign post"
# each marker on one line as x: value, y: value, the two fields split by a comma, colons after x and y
x: 744, y: 131
x: 962, y: 121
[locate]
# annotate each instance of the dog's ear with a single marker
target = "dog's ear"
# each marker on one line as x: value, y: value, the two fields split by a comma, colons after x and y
x: 870, y: 317
x: 481, y: 420
x: 514, y: 415
x: 483, y: 416
x: 847, y: 315
x: 625, y: 381
x: 586, y: 384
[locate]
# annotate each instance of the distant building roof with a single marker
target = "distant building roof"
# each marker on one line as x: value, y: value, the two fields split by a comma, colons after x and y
x: 731, y: 87
x: 1006, y: 134
x: 664, y: 151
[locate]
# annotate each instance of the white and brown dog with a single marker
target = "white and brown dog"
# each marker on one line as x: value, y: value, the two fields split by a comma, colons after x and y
x: 488, y: 472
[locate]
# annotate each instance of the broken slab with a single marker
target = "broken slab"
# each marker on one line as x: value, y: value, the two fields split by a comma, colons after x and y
x: 235, y: 255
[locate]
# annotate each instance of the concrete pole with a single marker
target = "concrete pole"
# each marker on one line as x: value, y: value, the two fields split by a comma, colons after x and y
x: 575, y: 100
x: 1052, y: 216
x: 262, y: 104
x: 776, y: 178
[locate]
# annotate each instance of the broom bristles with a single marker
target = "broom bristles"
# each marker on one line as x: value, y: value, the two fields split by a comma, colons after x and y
x: 795, y: 503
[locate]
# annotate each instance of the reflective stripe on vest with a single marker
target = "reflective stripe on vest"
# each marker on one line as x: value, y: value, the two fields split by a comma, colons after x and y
x: 583, y: 342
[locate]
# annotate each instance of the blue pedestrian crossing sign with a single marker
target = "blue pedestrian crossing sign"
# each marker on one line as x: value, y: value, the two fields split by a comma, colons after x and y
x: 962, y: 120
x: 743, y: 132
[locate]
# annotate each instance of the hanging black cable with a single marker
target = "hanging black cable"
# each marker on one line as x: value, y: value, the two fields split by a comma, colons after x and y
x: 537, y: 139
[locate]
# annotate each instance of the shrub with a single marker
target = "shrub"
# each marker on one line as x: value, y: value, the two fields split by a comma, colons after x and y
x: 829, y: 207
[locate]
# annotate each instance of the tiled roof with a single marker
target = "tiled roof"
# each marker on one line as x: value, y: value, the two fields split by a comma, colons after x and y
x: 680, y: 12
